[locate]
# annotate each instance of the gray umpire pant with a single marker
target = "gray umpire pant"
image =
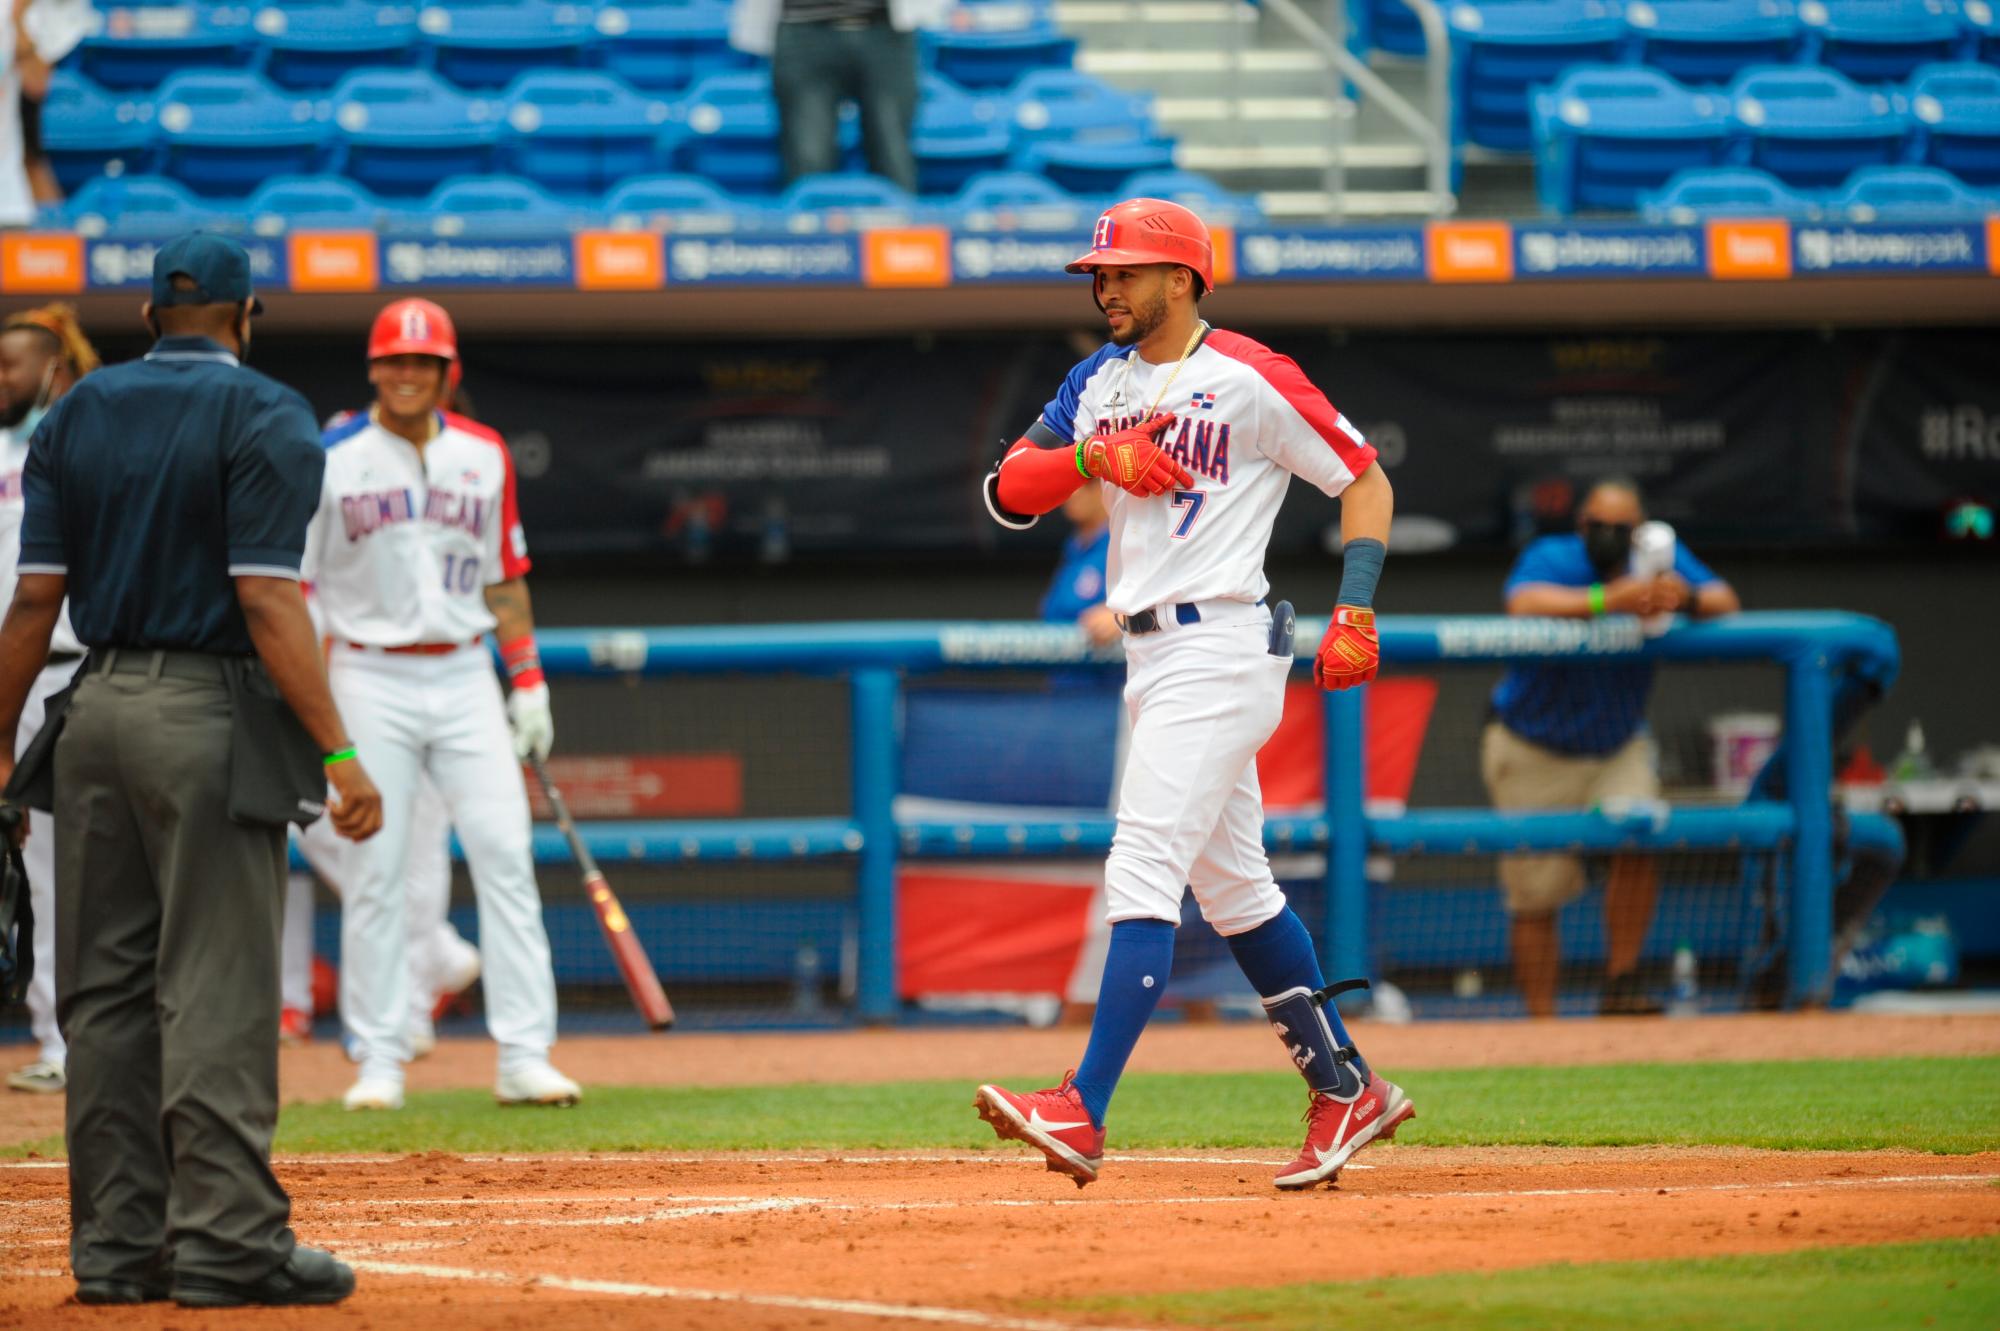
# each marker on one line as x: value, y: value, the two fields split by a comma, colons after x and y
x: 166, y: 980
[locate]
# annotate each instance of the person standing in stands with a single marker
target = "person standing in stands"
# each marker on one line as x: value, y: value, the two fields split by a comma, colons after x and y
x: 826, y: 52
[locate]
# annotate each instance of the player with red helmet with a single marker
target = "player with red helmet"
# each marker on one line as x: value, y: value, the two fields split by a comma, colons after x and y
x: 416, y: 553
x: 1193, y: 434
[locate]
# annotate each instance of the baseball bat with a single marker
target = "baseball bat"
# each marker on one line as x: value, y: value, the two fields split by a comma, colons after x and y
x: 640, y: 981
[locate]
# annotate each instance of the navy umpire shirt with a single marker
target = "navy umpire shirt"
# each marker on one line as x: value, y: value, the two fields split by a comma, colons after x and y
x: 154, y: 483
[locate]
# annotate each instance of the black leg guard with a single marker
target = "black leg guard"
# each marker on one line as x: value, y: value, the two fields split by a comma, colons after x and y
x: 1328, y: 1067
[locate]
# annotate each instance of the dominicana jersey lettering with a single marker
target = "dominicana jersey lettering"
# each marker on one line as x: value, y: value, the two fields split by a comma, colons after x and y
x: 1247, y: 420
x: 405, y: 542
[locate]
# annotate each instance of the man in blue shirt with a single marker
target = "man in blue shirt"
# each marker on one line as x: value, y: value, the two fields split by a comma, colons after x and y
x: 1574, y: 736
x: 168, y: 497
x: 1076, y: 592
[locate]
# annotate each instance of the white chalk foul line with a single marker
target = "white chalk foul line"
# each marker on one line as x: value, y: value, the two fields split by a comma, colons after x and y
x: 794, y: 1303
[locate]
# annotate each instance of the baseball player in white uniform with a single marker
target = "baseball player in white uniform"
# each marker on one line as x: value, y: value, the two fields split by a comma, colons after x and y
x: 42, y: 353
x: 1194, y: 434
x: 416, y: 553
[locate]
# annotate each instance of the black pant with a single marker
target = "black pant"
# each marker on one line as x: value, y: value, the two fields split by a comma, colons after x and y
x: 817, y: 66
x: 167, y: 920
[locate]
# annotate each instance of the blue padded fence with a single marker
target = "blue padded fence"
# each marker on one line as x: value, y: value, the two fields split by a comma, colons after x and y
x: 1815, y: 650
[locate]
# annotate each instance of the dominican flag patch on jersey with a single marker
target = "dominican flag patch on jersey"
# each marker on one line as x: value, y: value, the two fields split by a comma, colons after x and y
x: 1202, y: 402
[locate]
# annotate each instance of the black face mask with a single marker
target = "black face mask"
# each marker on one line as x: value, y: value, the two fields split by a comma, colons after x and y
x: 1609, y: 546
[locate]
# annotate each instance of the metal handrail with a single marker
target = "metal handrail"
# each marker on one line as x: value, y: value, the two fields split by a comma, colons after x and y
x: 1434, y: 134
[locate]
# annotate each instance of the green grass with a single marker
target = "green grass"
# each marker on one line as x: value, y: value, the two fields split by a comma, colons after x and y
x: 1943, y: 1105
x: 1950, y: 1284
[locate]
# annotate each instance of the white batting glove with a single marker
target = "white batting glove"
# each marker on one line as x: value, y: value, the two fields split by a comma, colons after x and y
x: 534, y: 726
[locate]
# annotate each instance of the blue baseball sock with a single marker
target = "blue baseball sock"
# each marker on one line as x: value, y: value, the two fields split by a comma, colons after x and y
x: 1136, y: 967
x: 1278, y: 955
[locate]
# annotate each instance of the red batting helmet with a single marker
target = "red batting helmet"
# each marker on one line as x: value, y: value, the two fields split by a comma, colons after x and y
x: 1150, y: 231
x: 413, y: 328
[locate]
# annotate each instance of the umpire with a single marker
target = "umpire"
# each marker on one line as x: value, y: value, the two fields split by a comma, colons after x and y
x: 169, y: 498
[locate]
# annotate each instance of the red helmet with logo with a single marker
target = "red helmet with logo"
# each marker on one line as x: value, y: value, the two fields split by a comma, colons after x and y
x: 413, y: 328
x: 1150, y: 231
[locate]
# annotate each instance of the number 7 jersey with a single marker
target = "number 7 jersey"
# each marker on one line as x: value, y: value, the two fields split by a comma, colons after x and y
x: 406, y: 541
x: 1246, y: 421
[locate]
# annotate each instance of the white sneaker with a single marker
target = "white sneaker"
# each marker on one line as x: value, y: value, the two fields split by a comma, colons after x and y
x: 423, y: 1037
x: 535, y: 1084
x: 40, y: 1077
x: 373, y: 1093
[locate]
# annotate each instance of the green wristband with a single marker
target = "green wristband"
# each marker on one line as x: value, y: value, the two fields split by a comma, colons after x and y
x: 1081, y: 470
x: 1596, y: 598
x: 338, y: 756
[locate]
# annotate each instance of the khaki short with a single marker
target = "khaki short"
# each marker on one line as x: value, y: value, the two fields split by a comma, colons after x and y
x: 1521, y: 775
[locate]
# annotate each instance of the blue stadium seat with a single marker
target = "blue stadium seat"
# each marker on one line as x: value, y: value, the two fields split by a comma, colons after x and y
x: 1982, y: 30
x: 1214, y: 204
x: 1908, y: 194
x: 323, y: 202
x: 1811, y: 127
x: 88, y: 132
x: 1050, y: 104
x: 228, y: 131
x: 1881, y: 41
x: 1711, y: 41
x: 957, y: 136
x: 1500, y: 50
x: 732, y: 132
x: 677, y: 203
x: 1097, y: 169
x: 1386, y: 25
x: 845, y: 201
x: 1956, y: 109
x: 666, y: 47
x: 979, y: 59
x: 123, y: 207
x: 407, y: 129
x: 1606, y: 132
x: 491, y: 45
x: 317, y: 45
x: 579, y: 132
x: 139, y: 48
x: 495, y: 207
x: 1018, y: 201
x: 999, y: 15
x: 1728, y: 191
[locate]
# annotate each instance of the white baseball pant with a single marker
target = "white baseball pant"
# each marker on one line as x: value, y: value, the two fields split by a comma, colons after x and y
x: 435, y: 947
x: 412, y: 715
x: 1203, y: 698
x: 39, y: 858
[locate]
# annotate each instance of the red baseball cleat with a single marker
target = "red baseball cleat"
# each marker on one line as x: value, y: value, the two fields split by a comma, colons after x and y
x: 1336, y: 1130
x: 1054, y: 1121
x: 295, y: 1026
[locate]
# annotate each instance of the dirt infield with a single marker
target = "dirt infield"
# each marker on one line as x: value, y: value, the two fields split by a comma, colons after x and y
x: 991, y: 1240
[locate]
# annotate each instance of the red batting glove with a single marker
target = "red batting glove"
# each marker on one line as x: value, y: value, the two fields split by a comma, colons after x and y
x: 1350, y: 653
x: 1132, y: 461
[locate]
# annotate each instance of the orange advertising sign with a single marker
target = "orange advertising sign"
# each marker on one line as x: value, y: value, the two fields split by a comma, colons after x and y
x: 1749, y: 249
x: 620, y: 261
x: 906, y: 257
x: 333, y: 260
x: 41, y: 263
x: 1469, y: 251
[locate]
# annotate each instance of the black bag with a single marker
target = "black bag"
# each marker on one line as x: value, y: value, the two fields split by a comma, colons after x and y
x: 17, y: 911
x: 277, y: 774
x: 33, y: 785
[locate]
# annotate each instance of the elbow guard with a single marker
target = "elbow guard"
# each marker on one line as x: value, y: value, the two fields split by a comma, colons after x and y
x: 989, y: 490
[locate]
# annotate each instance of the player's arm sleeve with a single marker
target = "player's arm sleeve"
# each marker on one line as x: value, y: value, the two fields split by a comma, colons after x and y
x: 1302, y: 432
x: 507, y: 543
x: 1039, y: 470
x: 1535, y: 566
x: 42, y: 548
x: 271, y: 490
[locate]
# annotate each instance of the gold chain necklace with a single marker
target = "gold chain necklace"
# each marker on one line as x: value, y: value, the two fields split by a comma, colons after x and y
x: 1200, y: 327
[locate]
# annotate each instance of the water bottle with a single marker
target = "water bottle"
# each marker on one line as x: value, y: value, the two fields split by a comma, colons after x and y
x: 1684, y: 993
x: 1914, y: 762
x: 805, y: 979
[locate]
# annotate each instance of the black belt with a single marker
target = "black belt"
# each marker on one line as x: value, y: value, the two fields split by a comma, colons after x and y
x: 203, y: 667
x: 63, y: 658
x: 1148, y: 621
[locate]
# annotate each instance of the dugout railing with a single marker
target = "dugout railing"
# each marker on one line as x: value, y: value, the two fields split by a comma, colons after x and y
x: 1814, y: 651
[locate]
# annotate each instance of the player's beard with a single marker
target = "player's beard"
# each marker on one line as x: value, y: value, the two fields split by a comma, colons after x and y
x: 1145, y: 320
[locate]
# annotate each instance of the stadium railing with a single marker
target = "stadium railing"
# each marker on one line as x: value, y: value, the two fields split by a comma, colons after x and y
x: 1793, y: 838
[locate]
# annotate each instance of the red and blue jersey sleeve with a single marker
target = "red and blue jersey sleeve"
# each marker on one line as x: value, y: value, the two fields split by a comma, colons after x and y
x: 1301, y: 431
x: 513, y: 553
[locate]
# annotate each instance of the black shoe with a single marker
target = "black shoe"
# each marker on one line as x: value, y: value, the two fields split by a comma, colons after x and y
x: 120, y: 1291
x: 309, y: 1275
x: 1624, y: 997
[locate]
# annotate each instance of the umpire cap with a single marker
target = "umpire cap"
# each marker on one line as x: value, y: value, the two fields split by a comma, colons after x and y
x: 217, y: 265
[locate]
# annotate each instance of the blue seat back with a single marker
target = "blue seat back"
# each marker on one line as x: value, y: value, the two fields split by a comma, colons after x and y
x: 1724, y: 192
x: 1053, y: 104
x: 141, y: 48
x: 579, y: 132
x: 1605, y: 133
x: 228, y: 131
x: 311, y: 201
x: 732, y: 132
x: 1096, y: 169
x: 88, y: 132
x: 1811, y: 127
x: 1501, y: 50
x: 1881, y: 41
x: 406, y: 130
x: 140, y: 206
x: 1908, y: 193
x: 491, y: 45
x: 496, y: 206
x: 997, y: 59
x: 314, y: 46
x: 859, y: 198
x: 1956, y: 110
x: 1711, y: 41
x: 667, y: 196
x: 665, y: 47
